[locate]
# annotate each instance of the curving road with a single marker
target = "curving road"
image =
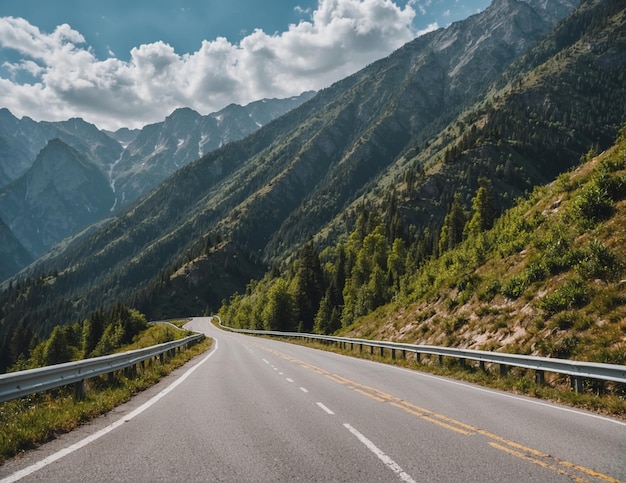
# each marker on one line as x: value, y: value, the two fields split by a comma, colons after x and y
x: 262, y: 410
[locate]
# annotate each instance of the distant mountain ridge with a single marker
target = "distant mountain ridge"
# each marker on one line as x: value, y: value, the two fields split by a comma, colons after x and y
x: 162, y: 148
x: 27, y: 138
x: 131, y: 162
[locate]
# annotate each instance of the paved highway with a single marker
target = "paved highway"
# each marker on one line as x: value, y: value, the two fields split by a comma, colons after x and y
x: 262, y: 410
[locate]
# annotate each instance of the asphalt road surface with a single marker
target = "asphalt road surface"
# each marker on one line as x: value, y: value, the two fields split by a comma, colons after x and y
x: 253, y: 409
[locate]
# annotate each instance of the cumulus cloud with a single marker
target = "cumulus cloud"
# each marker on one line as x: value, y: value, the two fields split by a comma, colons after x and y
x: 336, y: 39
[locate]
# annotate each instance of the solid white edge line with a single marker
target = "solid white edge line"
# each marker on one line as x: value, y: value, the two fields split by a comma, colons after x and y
x: 325, y: 408
x: 391, y: 464
x: 527, y: 399
x: 18, y: 475
x: 417, y: 373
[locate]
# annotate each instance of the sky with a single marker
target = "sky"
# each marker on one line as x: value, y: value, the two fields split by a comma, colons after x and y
x: 128, y: 63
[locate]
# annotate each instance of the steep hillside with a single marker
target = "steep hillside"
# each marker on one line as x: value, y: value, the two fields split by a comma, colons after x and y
x: 548, y: 279
x: 554, y: 103
x: 267, y: 195
x: 425, y: 203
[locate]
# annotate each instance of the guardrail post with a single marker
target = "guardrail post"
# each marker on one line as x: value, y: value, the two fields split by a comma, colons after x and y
x: 360, y: 347
x: 371, y: 349
x: 540, y: 377
x: 481, y: 365
x: 418, y: 357
x: 440, y: 360
x: 504, y: 370
x: 393, y: 354
x: 382, y: 352
x: 79, y: 390
x: 577, y: 383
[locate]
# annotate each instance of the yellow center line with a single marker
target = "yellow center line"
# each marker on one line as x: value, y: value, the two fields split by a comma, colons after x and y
x: 536, y: 461
x: 430, y: 419
x: 510, y: 447
x: 375, y: 398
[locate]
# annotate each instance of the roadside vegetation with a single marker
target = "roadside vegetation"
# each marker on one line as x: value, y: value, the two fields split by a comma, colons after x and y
x: 30, y: 421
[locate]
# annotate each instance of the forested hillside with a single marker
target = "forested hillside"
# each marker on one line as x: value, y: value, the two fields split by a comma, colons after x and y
x: 392, y: 157
x: 545, y: 278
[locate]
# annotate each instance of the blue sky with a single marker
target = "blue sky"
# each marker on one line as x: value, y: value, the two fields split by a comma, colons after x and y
x: 130, y: 62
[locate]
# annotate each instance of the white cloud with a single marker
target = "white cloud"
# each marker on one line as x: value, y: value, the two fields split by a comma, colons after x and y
x: 431, y: 27
x: 339, y: 37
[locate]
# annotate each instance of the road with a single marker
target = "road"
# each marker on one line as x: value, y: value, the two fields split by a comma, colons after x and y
x: 254, y: 409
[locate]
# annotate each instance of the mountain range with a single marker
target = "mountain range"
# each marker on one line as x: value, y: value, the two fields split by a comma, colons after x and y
x: 57, y: 178
x: 515, y: 94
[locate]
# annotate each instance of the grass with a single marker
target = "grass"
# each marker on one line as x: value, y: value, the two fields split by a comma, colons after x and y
x: 33, y: 420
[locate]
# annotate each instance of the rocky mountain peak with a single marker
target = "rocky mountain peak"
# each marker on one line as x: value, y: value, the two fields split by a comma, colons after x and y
x: 182, y: 114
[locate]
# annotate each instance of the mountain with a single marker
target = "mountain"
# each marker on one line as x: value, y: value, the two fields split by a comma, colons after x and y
x: 22, y: 139
x: 124, y: 136
x: 513, y: 94
x: 15, y: 155
x: 160, y: 149
x: 133, y: 161
x: 61, y: 193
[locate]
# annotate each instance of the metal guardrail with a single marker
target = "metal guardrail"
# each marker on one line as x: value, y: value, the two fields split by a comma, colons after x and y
x: 577, y: 370
x: 14, y: 385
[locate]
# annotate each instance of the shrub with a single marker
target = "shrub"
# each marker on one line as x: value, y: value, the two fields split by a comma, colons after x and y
x: 614, y: 186
x: 536, y: 271
x: 571, y: 295
x: 593, y: 204
x: 493, y: 288
x: 600, y: 262
x: 514, y: 287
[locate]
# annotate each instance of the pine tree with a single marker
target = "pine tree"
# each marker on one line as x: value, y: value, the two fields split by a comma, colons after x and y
x: 309, y: 286
x: 453, y: 225
x: 483, y: 209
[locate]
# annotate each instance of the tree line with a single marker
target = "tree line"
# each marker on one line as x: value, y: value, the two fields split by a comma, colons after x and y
x: 100, y: 334
x: 325, y: 291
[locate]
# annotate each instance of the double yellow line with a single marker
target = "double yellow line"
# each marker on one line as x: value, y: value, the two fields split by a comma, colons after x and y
x: 575, y: 472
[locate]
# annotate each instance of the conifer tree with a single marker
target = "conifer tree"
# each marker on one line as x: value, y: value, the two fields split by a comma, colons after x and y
x: 483, y: 209
x: 453, y: 225
x: 308, y: 287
